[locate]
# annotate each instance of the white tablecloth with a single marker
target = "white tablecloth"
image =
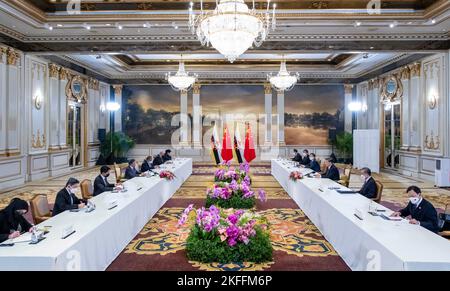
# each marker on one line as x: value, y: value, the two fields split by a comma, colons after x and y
x: 369, y: 244
x: 100, y: 235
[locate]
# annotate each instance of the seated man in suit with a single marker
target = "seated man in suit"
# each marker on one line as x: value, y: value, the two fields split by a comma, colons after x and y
x: 369, y: 188
x: 66, y: 198
x: 313, y: 164
x: 332, y: 172
x: 421, y: 211
x: 101, y: 183
x: 167, y: 156
x: 297, y: 157
x: 131, y: 171
x: 158, y: 160
x: 305, y: 158
x: 147, y: 164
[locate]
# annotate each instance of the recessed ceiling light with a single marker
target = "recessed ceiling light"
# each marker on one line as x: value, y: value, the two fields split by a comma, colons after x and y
x: 108, y: 24
x: 59, y: 25
x: 433, y: 21
x: 371, y: 47
x: 392, y: 25
x: 357, y: 23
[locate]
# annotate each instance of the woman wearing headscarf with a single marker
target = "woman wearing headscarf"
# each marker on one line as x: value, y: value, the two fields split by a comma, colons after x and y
x: 12, y: 222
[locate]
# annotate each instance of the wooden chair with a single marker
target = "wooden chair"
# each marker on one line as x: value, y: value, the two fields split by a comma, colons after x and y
x: 380, y: 186
x: 40, y: 211
x: 87, y: 190
x: 445, y: 233
x: 119, y: 176
x: 345, y: 178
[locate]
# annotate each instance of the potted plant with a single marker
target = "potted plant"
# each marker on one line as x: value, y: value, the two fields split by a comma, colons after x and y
x: 121, y: 144
x: 344, y: 147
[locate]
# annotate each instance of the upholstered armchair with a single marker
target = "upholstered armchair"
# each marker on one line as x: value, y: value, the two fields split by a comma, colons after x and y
x: 380, y: 186
x: 87, y: 190
x: 40, y: 209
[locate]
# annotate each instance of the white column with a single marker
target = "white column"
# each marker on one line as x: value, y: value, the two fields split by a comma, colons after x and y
x: 184, y: 127
x: 62, y: 135
x: 54, y: 106
x: 12, y: 104
x: 3, y: 127
x: 268, y: 110
x: 414, y: 105
x: 348, y: 115
x: 405, y: 109
x: 118, y: 114
x: 197, y: 117
x: 280, y: 109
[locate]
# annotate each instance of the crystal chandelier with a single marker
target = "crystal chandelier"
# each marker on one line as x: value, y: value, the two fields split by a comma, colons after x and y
x: 181, y: 80
x: 232, y: 28
x: 283, y: 81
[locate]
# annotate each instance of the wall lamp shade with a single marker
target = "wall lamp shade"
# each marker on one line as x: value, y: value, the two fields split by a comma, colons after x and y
x: 355, y: 106
x: 112, y: 106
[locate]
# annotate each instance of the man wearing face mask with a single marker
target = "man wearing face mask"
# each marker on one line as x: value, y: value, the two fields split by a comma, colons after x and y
x: 66, y: 198
x: 297, y: 157
x: 305, y: 158
x: 313, y: 165
x: 421, y: 211
x: 101, y: 183
x: 12, y: 222
x: 369, y: 188
x: 131, y: 171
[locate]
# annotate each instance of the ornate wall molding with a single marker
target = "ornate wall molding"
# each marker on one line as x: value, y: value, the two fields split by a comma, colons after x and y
x: 64, y: 74
x: 348, y: 88
x: 94, y: 84
x: 76, y: 89
x: 196, y: 88
x: 415, y: 70
x: 267, y: 88
x: 53, y: 71
x: 12, y: 57
x: 432, y: 142
x: 118, y: 89
x: 2, y: 52
x: 405, y: 73
x: 38, y: 141
x: 391, y: 88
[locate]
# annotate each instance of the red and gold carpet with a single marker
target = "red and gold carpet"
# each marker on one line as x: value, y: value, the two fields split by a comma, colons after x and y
x: 297, y: 243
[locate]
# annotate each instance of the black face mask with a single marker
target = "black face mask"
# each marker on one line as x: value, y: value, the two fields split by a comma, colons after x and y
x: 17, y: 214
x: 107, y: 175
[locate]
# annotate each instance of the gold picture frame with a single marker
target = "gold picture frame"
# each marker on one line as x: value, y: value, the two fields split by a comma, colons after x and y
x: 76, y: 89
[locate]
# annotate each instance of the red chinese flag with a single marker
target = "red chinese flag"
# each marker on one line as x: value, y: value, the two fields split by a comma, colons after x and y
x: 249, y: 151
x: 227, y: 148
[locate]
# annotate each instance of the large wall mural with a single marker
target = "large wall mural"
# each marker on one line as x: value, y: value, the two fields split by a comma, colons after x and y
x: 148, y: 111
x: 311, y: 110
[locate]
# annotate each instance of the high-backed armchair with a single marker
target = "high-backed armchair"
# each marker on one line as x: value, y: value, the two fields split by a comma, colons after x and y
x: 345, y: 178
x: 87, y: 190
x: 40, y: 209
x: 119, y: 176
x: 379, y: 191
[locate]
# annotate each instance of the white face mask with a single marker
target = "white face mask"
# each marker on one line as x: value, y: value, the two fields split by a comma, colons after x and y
x: 363, y: 178
x: 414, y: 200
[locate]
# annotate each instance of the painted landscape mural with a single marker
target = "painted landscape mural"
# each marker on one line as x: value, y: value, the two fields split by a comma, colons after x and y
x: 148, y: 111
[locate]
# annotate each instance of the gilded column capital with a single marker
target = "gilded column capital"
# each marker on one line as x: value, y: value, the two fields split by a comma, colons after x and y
x: 267, y: 88
x: 415, y: 69
x: 196, y: 88
x: 118, y: 89
x: 405, y: 73
x: 63, y: 74
x: 53, y: 71
x: 348, y: 88
x: 12, y: 57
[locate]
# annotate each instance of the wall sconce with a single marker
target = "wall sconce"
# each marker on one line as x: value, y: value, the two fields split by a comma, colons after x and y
x: 355, y: 106
x: 432, y: 102
x: 102, y: 108
x: 38, y: 102
x: 364, y: 108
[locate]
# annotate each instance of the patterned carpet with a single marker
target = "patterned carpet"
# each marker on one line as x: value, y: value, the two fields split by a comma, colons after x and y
x: 297, y: 243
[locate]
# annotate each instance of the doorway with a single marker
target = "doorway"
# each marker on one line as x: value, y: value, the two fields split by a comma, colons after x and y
x: 75, y: 134
x: 392, y: 135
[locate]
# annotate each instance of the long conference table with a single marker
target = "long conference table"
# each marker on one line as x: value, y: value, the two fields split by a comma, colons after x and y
x: 372, y: 243
x: 100, y: 235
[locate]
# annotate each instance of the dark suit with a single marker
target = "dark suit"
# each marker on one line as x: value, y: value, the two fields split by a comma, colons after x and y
x: 332, y: 173
x: 297, y: 158
x: 305, y: 161
x: 65, y: 201
x: 158, y: 160
x: 101, y: 185
x: 314, y: 165
x: 7, y: 226
x: 130, y: 173
x: 166, y: 158
x: 369, y: 188
x: 146, y: 166
x: 425, y: 213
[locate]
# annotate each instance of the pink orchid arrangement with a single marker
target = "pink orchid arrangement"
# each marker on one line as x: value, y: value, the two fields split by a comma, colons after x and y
x: 296, y: 175
x: 233, y: 227
x: 168, y: 175
x: 225, y: 191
